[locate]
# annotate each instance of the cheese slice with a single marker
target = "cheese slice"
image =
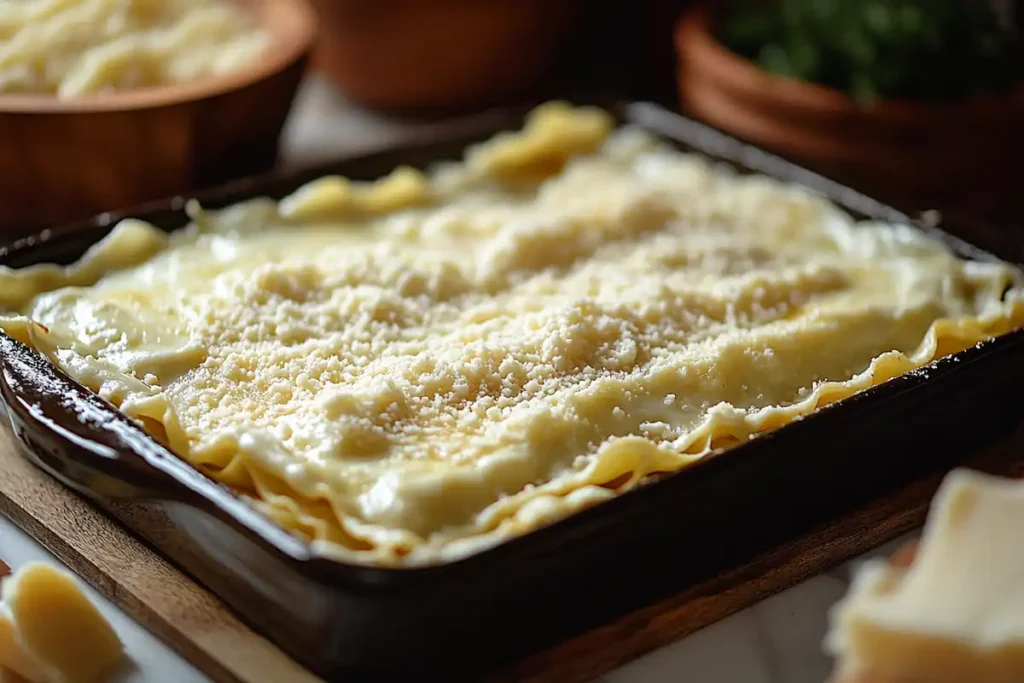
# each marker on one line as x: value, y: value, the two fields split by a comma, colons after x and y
x: 956, y: 614
x: 51, y: 633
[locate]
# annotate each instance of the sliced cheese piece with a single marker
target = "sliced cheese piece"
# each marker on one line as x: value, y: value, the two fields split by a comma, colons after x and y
x: 51, y: 633
x: 956, y: 613
x: 13, y: 654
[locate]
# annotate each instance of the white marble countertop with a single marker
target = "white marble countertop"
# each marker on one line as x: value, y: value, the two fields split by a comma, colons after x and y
x: 775, y: 641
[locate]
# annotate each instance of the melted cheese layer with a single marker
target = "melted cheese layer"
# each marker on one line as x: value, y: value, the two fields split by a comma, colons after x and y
x: 412, y: 370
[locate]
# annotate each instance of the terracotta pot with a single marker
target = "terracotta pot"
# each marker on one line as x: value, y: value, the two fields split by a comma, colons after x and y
x: 66, y: 159
x: 963, y: 155
x: 438, y: 54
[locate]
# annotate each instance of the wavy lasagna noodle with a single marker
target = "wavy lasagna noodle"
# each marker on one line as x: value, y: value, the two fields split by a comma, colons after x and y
x: 408, y: 371
x: 72, y: 48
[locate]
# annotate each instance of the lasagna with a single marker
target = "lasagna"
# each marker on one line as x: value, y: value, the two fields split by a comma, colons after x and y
x: 410, y: 370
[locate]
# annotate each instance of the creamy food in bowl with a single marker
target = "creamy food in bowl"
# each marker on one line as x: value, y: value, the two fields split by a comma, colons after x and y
x: 78, y: 48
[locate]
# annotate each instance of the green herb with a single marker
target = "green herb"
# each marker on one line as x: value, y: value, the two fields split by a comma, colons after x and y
x: 879, y: 49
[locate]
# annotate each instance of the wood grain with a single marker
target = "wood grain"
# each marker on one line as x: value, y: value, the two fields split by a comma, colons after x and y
x: 195, y: 624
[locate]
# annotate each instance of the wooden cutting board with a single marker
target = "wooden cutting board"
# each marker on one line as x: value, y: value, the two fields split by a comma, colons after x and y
x: 195, y: 624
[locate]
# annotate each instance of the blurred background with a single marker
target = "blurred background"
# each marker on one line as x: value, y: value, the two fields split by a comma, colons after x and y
x: 917, y: 102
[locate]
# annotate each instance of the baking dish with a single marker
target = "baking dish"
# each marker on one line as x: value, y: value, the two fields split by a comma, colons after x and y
x: 469, y: 617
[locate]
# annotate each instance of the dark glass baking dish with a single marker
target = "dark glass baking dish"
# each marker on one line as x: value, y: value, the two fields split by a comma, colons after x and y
x: 471, y: 617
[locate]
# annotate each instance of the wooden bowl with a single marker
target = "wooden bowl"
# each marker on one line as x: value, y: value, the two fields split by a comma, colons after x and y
x: 67, y: 159
x: 434, y: 55
x: 964, y: 154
